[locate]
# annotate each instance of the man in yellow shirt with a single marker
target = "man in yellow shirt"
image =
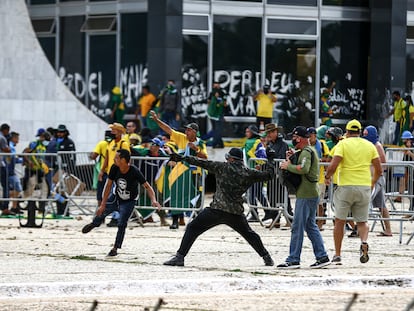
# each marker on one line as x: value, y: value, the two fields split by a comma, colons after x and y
x: 117, y: 130
x: 188, y: 145
x: 100, y: 151
x: 354, y: 156
x: 145, y: 103
x: 397, y: 112
x: 265, y: 104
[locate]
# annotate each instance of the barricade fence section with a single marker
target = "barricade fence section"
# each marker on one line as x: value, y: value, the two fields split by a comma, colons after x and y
x: 65, y: 183
x: 271, y: 196
x: 179, y: 187
x: 399, y: 183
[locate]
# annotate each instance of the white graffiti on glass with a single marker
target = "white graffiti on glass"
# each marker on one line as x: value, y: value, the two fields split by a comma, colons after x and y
x: 132, y: 79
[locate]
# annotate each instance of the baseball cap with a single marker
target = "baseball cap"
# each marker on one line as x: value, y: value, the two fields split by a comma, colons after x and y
x: 157, y: 142
x: 311, y: 130
x: 134, y: 136
x: 300, y: 131
x: 353, y: 125
x: 193, y: 126
x: 40, y: 131
x: 235, y: 153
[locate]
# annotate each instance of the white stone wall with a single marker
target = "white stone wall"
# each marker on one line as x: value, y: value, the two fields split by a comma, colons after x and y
x: 31, y: 94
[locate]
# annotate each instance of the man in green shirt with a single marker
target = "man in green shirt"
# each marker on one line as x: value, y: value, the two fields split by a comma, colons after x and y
x: 307, y: 198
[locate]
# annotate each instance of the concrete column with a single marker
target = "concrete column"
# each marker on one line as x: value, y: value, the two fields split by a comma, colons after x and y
x: 165, y: 23
x: 387, y: 66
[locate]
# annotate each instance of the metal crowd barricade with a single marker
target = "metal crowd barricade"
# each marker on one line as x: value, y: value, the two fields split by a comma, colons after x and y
x: 269, y: 195
x: 178, y: 186
x: 401, y: 212
x: 75, y: 181
x: 33, y: 172
x: 69, y: 186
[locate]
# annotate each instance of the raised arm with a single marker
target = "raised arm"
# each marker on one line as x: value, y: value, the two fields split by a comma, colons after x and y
x: 165, y: 127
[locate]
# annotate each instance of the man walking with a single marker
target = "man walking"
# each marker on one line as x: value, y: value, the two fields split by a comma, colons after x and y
x: 233, y: 178
x: 355, y: 156
x: 307, y: 197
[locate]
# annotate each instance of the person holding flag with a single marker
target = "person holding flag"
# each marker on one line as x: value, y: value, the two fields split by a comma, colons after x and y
x: 183, y: 177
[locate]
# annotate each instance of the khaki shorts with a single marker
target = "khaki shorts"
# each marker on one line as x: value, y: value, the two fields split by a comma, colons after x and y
x: 322, y: 189
x: 354, y: 199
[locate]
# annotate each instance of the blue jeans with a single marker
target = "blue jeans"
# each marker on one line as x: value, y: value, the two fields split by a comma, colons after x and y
x: 304, y: 220
x: 397, y: 134
x: 4, y: 179
x: 218, y: 132
x: 125, y: 209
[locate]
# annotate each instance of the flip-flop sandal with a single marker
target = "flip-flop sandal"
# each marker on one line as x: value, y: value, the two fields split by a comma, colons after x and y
x: 383, y: 234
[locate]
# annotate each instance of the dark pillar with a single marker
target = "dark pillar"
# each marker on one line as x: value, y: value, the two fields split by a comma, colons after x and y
x: 387, y: 66
x: 164, y: 54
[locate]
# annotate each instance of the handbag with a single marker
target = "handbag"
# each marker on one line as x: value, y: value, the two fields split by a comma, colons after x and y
x: 291, y: 180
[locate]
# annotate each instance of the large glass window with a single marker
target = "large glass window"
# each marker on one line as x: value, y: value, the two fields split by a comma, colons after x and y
x: 294, y: 2
x: 290, y: 72
x: 102, y: 76
x: 42, y: 1
x: 237, y: 65
x: 133, y: 73
x: 72, y: 55
x: 410, y: 73
x: 344, y: 63
x: 48, y: 46
x: 194, y: 80
x: 288, y: 26
x: 358, y: 3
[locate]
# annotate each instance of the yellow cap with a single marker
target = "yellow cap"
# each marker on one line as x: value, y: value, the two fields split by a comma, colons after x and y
x: 134, y: 136
x: 116, y: 90
x: 117, y: 126
x: 353, y: 125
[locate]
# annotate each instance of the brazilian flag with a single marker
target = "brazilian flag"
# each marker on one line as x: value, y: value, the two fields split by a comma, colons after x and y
x: 150, y: 169
x: 182, y: 184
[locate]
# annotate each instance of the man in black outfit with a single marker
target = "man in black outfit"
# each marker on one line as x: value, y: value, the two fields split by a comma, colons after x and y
x: 275, y: 189
x: 126, y: 177
x: 233, y: 179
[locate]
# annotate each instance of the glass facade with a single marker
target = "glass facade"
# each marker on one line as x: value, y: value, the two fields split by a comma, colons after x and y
x: 344, y: 62
x: 290, y: 72
x: 357, y: 3
x: 49, y: 47
x: 102, y: 73
x: 410, y: 73
x: 195, y: 80
x: 133, y: 53
x: 294, y: 2
x: 72, y: 55
x: 237, y: 64
x: 258, y: 42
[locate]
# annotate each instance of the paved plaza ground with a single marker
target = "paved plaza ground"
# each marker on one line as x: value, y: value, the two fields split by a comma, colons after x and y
x: 56, y: 267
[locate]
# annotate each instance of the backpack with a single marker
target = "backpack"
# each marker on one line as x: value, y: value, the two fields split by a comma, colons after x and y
x: 291, y: 180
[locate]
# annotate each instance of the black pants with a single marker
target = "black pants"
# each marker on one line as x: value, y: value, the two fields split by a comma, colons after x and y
x: 209, y: 218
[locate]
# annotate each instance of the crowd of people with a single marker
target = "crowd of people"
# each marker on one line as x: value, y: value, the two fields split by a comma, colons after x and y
x: 187, y: 153
x: 171, y: 165
x: 38, y: 163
